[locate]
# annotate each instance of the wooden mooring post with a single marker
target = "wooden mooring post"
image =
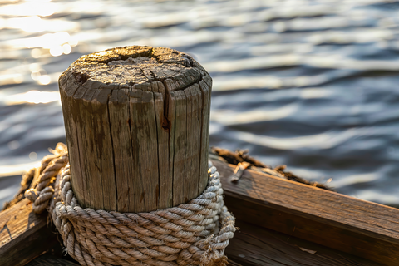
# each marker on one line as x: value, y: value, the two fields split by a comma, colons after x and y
x: 136, y: 122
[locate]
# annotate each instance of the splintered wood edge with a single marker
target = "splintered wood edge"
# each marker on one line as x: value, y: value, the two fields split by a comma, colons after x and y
x: 355, y: 226
x: 23, y: 234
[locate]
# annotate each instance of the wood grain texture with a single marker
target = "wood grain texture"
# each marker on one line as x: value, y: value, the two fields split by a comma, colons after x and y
x: 23, y: 234
x: 143, y: 132
x: 205, y: 111
x: 165, y: 145
x: 180, y: 161
x: 254, y: 245
x: 233, y: 263
x: 46, y: 260
x: 354, y: 226
x: 260, y: 199
x: 70, y: 85
x: 136, y: 123
x: 51, y: 260
x: 92, y: 194
x: 119, y: 111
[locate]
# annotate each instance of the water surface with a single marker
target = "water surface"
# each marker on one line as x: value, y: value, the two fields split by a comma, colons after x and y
x: 309, y: 84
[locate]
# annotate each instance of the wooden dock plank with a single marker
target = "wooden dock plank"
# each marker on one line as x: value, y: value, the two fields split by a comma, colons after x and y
x: 335, y: 221
x: 354, y: 226
x: 254, y: 245
x: 50, y: 260
x: 23, y: 234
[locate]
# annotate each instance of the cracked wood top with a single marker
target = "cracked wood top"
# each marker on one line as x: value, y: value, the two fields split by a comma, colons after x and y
x: 135, y: 65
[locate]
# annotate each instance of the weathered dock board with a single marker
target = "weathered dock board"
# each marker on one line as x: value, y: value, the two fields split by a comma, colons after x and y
x: 254, y: 245
x: 362, y: 228
x: 50, y: 260
x: 23, y: 234
x: 308, y: 219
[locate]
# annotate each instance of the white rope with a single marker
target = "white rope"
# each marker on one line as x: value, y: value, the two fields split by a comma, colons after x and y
x: 195, y: 233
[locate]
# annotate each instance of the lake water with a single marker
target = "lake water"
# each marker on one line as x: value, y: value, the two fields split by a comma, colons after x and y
x: 309, y: 84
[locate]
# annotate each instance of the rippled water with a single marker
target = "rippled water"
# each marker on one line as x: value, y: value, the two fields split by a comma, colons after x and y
x: 309, y: 84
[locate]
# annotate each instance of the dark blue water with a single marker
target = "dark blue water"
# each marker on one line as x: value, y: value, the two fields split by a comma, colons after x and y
x: 309, y: 84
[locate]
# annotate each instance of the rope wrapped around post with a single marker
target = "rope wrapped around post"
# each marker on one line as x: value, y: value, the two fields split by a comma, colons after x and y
x: 195, y: 233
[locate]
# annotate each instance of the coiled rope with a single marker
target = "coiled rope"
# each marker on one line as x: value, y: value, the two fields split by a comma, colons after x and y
x: 195, y: 233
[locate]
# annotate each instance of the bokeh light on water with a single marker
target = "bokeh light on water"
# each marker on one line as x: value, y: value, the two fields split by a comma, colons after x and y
x: 310, y: 84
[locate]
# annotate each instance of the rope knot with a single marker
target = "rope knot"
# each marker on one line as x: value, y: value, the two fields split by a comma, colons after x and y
x: 42, y: 192
x: 31, y: 194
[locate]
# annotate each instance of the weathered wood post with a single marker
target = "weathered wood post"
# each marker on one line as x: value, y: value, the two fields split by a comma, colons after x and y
x: 136, y: 122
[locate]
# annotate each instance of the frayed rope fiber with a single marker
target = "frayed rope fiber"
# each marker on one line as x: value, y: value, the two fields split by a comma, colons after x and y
x: 195, y: 233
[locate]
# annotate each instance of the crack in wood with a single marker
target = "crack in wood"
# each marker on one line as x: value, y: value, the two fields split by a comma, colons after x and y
x: 5, y: 227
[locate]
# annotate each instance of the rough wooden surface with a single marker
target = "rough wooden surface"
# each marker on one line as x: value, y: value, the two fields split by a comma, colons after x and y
x: 46, y: 260
x: 354, y: 226
x: 136, y: 123
x: 299, y: 211
x: 50, y: 260
x: 254, y: 245
x: 23, y: 234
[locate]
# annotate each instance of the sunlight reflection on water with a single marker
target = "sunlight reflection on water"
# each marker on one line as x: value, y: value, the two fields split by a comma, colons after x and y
x: 32, y: 8
x: 34, y: 97
x: 310, y: 84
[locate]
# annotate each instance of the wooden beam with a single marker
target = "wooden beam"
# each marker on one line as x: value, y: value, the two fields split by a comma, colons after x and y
x: 233, y: 263
x: 23, y: 234
x: 48, y: 260
x: 254, y: 245
x: 354, y: 226
x: 51, y: 260
x: 260, y: 199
